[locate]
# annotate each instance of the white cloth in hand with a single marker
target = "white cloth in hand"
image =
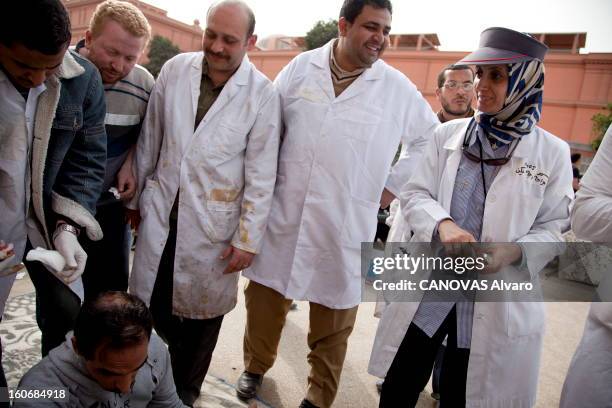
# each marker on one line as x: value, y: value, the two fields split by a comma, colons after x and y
x: 53, y: 260
x: 66, y: 243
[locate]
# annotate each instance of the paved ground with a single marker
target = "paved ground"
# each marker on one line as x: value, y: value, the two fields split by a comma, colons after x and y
x: 285, y: 383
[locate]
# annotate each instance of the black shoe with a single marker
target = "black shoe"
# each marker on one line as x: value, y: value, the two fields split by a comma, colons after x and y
x: 307, y: 404
x: 379, y: 384
x: 248, y: 384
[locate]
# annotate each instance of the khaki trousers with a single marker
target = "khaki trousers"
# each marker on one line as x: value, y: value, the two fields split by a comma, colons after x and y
x: 327, y: 339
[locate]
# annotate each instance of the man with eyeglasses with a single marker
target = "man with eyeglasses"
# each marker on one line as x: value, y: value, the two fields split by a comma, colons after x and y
x: 455, y: 92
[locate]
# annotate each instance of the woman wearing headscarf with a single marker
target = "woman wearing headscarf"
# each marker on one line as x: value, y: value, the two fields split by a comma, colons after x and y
x: 494, y: 178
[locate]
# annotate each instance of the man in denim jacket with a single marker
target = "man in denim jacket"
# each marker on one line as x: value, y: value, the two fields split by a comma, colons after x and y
x: 52, y: 147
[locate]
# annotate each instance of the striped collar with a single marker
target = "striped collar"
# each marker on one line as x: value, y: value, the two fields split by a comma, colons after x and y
x: 339, y: 74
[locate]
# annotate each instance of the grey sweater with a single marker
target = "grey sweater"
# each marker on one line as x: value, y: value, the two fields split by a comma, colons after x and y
x: 63, y: 368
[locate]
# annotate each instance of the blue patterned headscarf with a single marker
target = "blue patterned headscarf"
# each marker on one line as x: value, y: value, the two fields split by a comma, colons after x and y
x: 522, y: 107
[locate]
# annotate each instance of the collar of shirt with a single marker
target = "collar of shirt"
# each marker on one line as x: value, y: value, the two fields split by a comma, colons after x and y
x: 334, y: 66
x: 487, y: 150
x: 205, y: 76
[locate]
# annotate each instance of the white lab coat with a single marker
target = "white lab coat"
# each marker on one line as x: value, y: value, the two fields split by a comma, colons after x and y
x: 225, y: 170
x: 590, y: 374
x: 334, y: 162
x: 506, y: 337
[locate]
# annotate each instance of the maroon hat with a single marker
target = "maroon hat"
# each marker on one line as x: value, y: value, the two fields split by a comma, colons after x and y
x: 500, y: 45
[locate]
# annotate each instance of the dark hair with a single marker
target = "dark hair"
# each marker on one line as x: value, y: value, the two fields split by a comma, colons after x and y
x: 442, y: 74
x: 116, y: 319
x: 575, y: 157
x: 39, y: 25
x: 245, y: 7
x: 352, y: 8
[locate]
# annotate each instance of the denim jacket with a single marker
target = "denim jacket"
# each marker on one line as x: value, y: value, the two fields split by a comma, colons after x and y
x: 69, y: 148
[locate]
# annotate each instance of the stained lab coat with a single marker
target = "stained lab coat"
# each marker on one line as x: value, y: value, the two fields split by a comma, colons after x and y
x: 590, y: 374
x: 335, y: 159
x: 506, y: 337
x: 225, y: 172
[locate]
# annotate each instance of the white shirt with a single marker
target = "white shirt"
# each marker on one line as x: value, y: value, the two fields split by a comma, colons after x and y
x: 16, y: 136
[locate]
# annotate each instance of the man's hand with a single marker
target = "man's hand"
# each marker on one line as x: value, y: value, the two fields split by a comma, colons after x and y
x: 132, y: 217
x: 498, y: 256
x: 386, y: 198
x: 66, y: 243
x: 126, y: 181
x: 7, y: 253
x: 239, y: 259
x: 6, y: 250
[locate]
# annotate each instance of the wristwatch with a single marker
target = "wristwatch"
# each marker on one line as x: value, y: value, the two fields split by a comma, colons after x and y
x: 64, y: 226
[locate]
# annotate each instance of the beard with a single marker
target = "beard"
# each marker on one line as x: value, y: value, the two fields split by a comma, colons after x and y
x: 455, y: 112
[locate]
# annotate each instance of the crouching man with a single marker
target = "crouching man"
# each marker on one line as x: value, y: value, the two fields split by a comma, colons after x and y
x: 111, y: 359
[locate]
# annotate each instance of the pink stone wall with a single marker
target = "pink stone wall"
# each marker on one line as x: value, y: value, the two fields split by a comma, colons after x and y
x: 577, y: 86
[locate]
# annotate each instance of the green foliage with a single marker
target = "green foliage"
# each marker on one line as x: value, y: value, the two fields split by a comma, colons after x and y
x: 160, y: 51
x: 321, y: 33
x: 601, y: 123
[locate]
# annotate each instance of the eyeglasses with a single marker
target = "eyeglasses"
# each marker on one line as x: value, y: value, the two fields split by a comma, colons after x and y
x: 489, y: 162
x: 453, y: 85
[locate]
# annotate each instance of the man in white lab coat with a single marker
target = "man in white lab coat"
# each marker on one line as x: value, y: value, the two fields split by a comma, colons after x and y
x: 344, y: 112
x: 206, y: 166
x: 589, y: 376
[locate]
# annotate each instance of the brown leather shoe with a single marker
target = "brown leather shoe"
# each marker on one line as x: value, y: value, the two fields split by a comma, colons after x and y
x: 248, y: 385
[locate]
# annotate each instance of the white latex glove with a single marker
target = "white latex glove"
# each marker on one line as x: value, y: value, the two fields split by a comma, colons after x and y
x: 66, y: 243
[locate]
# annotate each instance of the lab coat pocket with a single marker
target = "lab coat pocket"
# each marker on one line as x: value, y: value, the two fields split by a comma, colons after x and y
x: 525, y: 319
x: 359, y: 122
x: 227, y: 141
x: 146, y: 198
x: 359, y: 222
x: 223, y: 217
